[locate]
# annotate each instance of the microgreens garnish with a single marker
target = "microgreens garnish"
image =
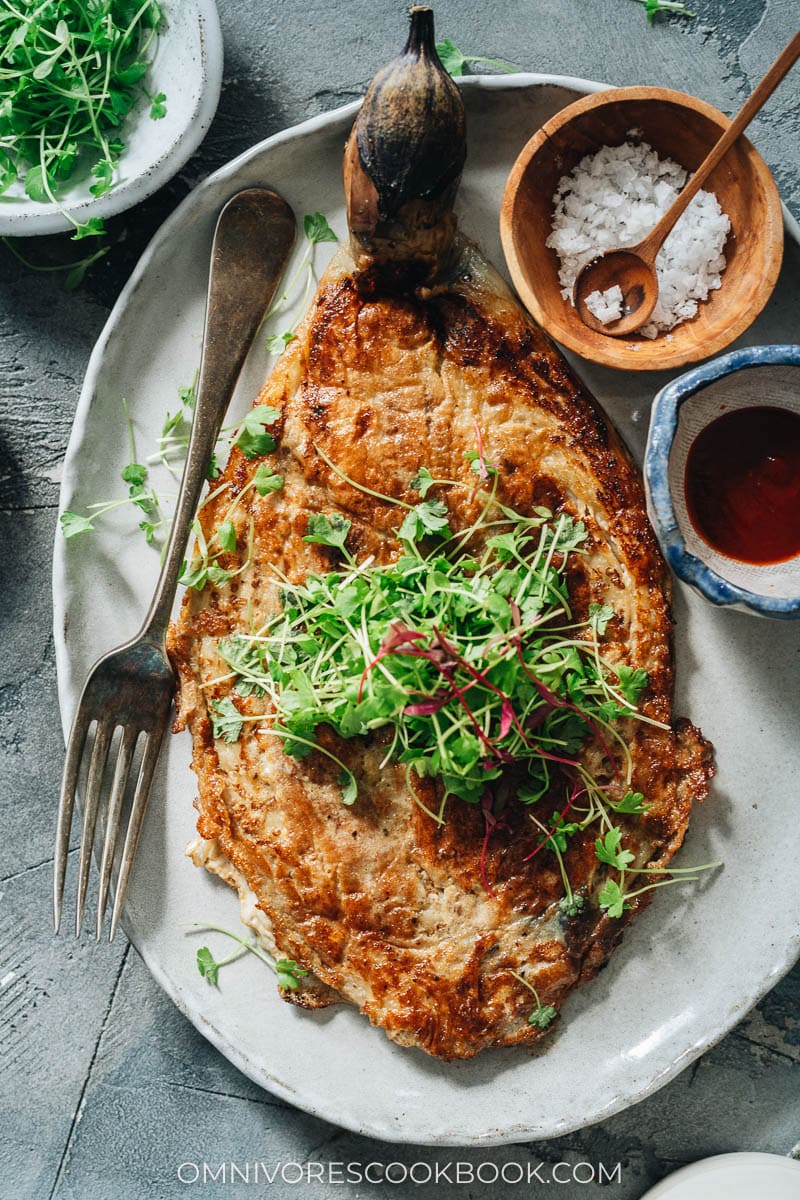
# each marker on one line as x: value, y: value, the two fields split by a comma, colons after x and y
x: 631, y: 802
x: 135, y: 474
x: 614, y: 900
x: 251, y: 435
x: 543, y: 1014
x: 330, y: 531
x: 75, y: 270
x: 608, y: 850
x: 277, y: 342
x: 288, y: 973
x: 69, y: 73
x: 456, y: 62
x: 158, y: 107
x: 465, y: 650
x: 206, y: 566
x: 556, y: 839
x: 632, y: 682
x: 226, y: 720
x: 316, y: 230
x: 653, y: 7
x: 428, y: 517
x: 471, y: 660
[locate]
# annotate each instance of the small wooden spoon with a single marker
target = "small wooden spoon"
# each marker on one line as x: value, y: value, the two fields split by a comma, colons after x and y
x: 632, y: 269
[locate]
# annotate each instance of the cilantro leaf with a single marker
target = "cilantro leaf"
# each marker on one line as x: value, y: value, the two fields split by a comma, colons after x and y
x: 422, y: 482
x: 94, y: 227
x: 632, y: 682
x: 277, y: 342
x: 429, y: 517
x: 317, y: 228
x: 608, y: 850
x: 253, y: 439
x: 506, y: 545
x: 632, y: 802
x: 559, y: 833
x: 349, y: 786
x: 158, y: 107
x: 172, y: 421
x: 266, y: 480
x: 612, y: 899
x: 478, y: 464
x: 289, y: 973
x: 103, y: 172
x: 226, y: 720
x: 207, y: 965
x: 455, y: 61
x: 329, y: 530
x: 451, y: 58
x: 8, y: 172
x: 599, y: 616
x: 37, y: 183
x: 72, y: 524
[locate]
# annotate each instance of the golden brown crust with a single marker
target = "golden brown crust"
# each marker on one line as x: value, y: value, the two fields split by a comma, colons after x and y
x: 385, y: 908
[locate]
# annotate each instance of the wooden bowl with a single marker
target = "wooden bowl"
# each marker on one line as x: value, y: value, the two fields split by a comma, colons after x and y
x: 676, y: 126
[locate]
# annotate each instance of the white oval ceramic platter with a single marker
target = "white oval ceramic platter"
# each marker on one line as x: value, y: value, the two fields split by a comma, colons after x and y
x: 693, y: 964
x: 187, y: 68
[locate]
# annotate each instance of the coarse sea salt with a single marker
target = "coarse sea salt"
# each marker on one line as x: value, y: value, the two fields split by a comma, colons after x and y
x: 606, y: 306
x: 613, y: 198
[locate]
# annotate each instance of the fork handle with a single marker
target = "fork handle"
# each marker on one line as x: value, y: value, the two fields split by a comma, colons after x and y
x: 253, y: 239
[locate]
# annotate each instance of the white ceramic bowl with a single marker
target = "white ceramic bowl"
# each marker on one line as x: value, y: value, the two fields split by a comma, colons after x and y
x: 187, y: 67
x: 732, y: 1177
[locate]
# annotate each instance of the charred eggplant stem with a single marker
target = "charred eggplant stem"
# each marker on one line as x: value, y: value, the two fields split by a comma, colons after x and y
x: 403, y: 163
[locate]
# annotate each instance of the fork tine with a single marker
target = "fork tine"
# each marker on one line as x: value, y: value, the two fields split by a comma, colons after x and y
x: 91, y: 804
x: 152, y: 745
x: 121, y: 773
x: 66, y: 804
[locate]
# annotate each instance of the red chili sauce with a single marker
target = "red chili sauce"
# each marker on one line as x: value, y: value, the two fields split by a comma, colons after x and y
x: 742, y: 484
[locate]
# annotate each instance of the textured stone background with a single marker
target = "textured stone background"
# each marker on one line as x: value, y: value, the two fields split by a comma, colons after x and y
x: 105, y: 1088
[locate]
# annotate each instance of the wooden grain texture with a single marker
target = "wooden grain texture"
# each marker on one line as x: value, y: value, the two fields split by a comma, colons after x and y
x: 112, y: 1088
x: 684, y: 129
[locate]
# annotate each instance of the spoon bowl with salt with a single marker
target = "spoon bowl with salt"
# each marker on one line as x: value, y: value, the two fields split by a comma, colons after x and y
x: 626, y: 278
x: 726, y: 252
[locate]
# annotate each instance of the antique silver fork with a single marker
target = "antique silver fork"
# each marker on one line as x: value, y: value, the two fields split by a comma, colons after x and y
x: 131, y: 688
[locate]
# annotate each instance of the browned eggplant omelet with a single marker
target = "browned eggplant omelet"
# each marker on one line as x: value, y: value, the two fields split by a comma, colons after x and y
x: 451, y: 935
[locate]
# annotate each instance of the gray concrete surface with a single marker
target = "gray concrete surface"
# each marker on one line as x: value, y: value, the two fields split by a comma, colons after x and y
x: 105, y: 1089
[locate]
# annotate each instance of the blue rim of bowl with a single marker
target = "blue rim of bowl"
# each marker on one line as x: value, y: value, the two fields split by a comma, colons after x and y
x: 663, y: 426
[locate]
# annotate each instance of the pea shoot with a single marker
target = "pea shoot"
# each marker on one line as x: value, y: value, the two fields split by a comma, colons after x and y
x: 70, y: 72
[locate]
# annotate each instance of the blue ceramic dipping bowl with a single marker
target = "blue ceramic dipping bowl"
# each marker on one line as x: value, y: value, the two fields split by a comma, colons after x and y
x: 757, y: 375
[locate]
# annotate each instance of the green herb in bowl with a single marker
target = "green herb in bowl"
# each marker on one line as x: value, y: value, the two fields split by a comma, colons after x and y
x: 70, y: 72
